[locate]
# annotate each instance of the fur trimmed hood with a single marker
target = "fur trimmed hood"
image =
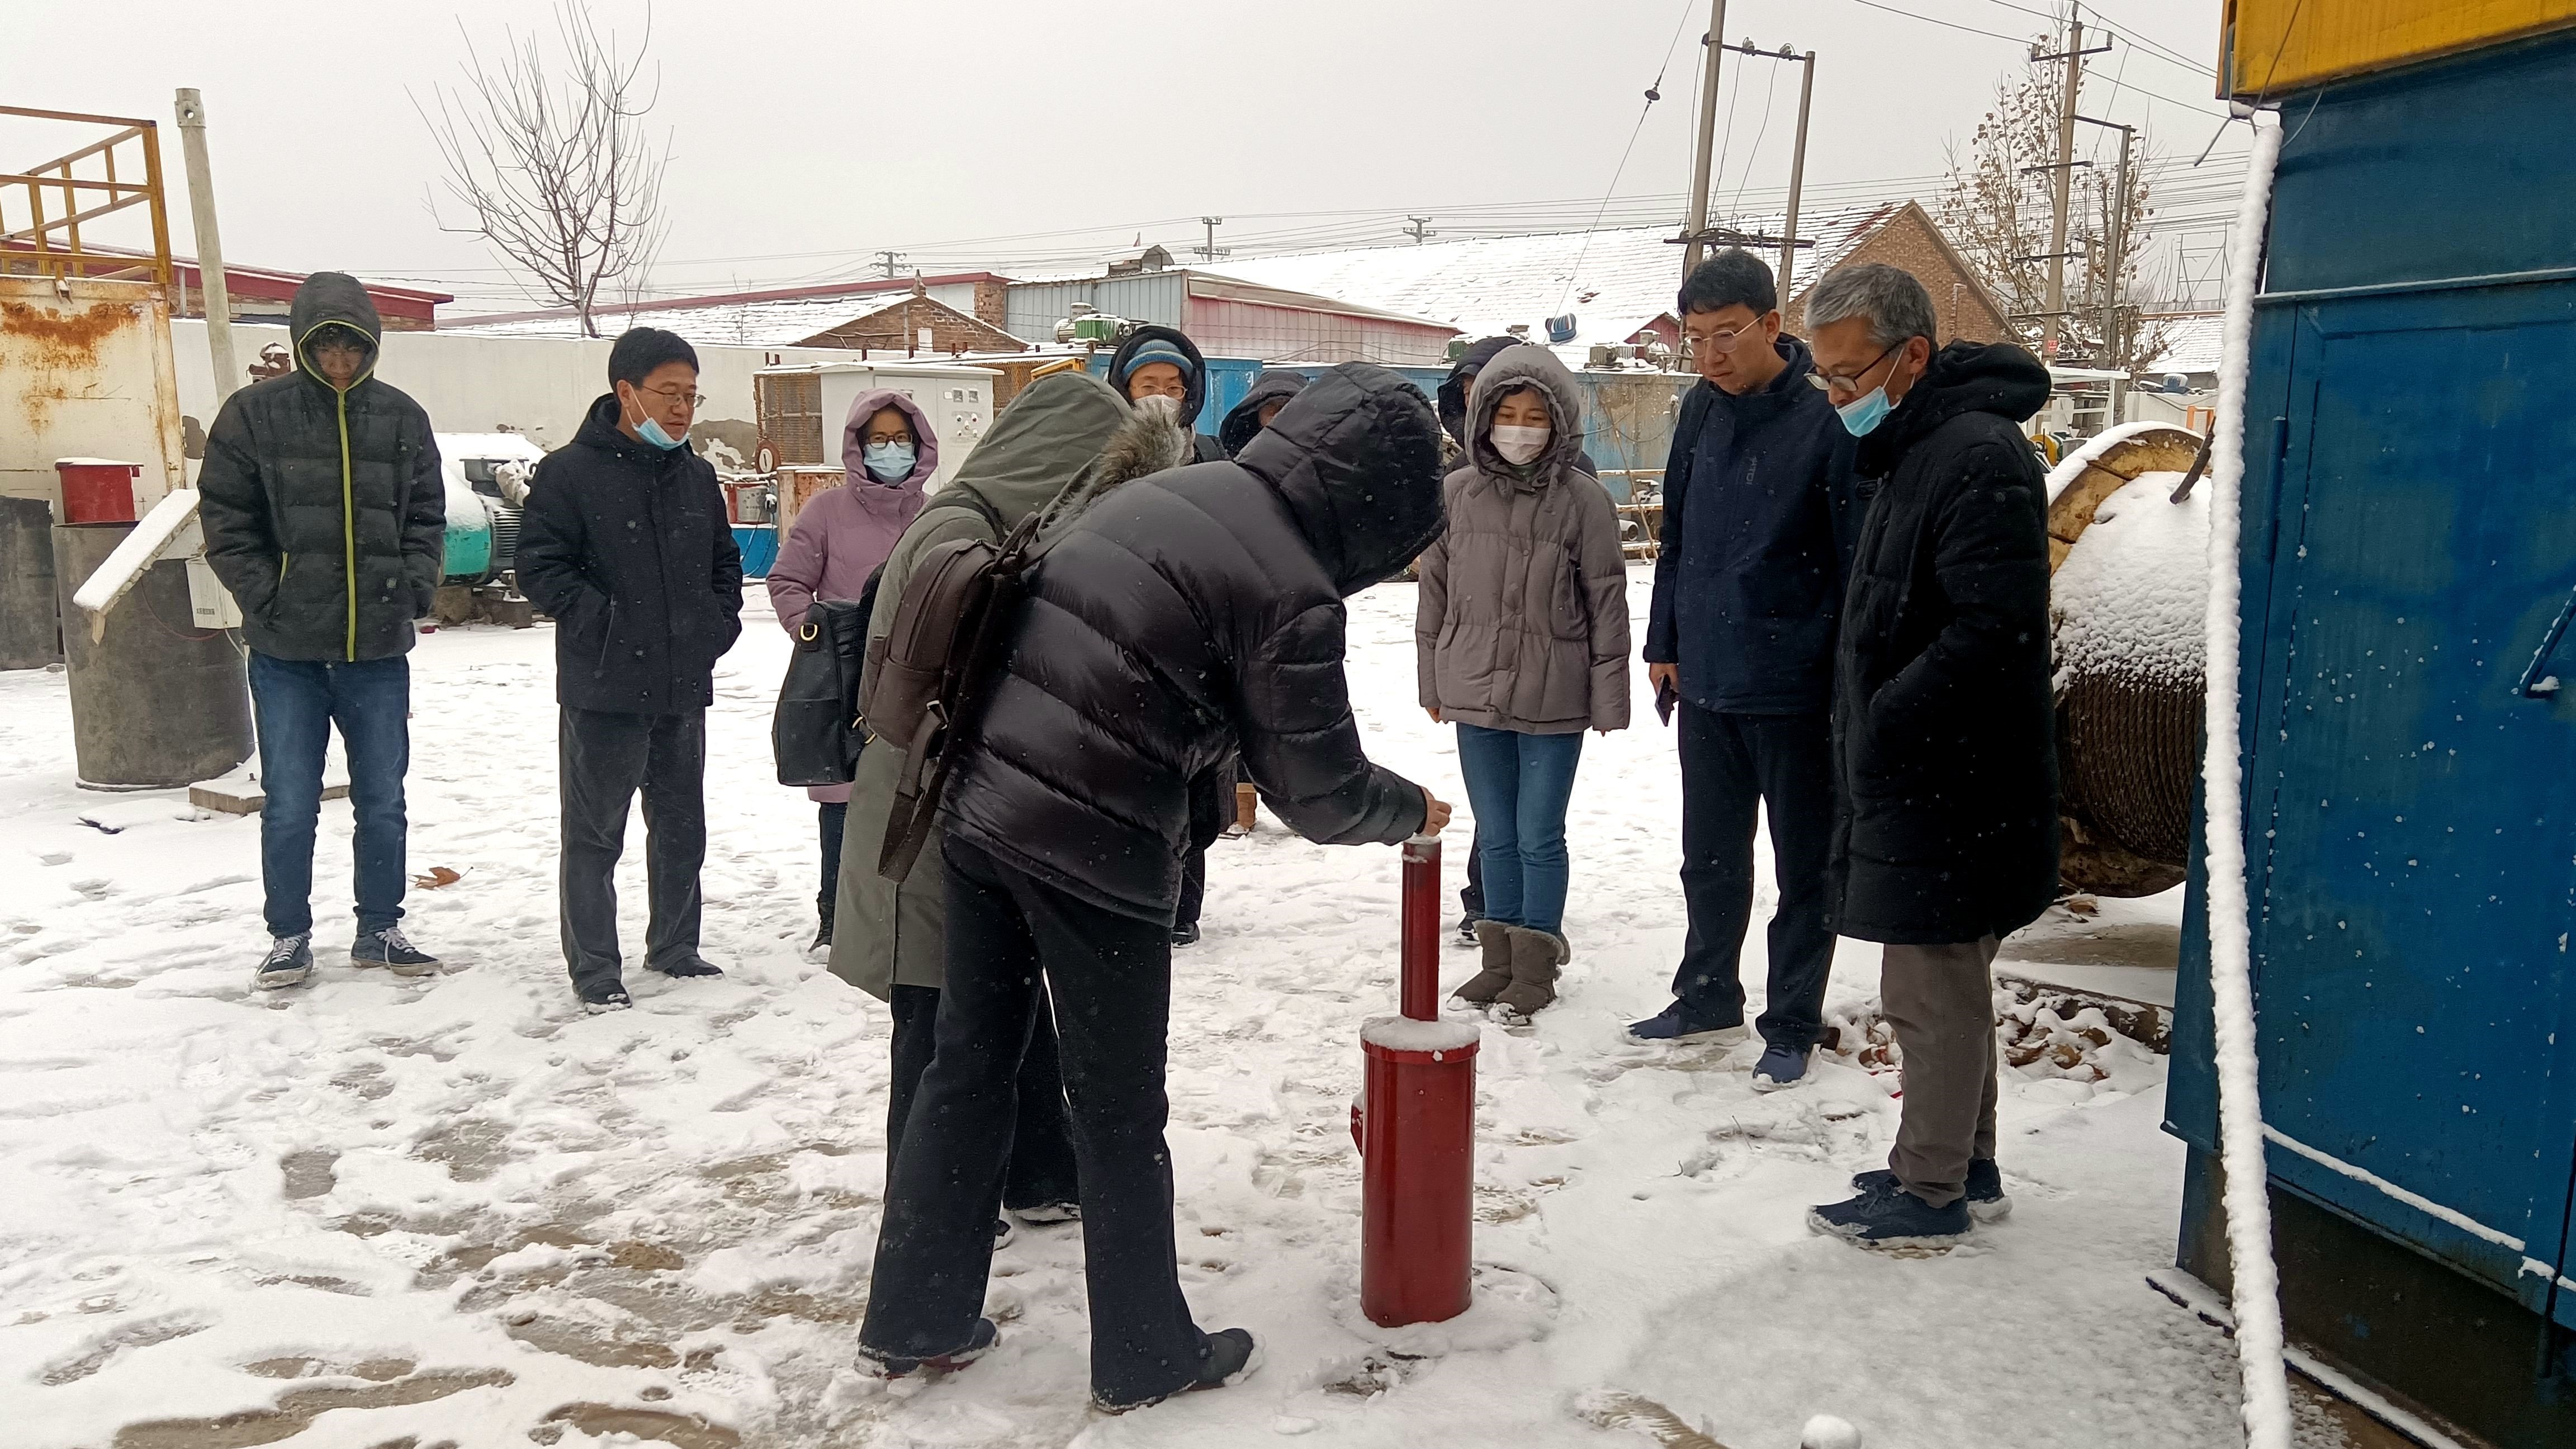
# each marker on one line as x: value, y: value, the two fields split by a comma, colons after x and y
x: 1150, y: 441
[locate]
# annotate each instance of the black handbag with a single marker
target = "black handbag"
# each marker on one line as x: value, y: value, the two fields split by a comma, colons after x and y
x: 814, y: 732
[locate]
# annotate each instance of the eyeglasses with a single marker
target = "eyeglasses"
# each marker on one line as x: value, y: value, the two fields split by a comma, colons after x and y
x: 1822, y: 383
x: 690, y: 399
x: 1722, y: 341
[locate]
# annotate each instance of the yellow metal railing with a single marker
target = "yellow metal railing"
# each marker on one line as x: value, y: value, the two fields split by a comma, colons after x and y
x: 44, y: 207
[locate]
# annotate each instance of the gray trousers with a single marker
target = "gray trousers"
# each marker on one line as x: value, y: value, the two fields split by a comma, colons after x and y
x: 1940, y: 1001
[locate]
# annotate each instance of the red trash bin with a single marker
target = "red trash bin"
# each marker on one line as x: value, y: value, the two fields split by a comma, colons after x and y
x: 97, y: 490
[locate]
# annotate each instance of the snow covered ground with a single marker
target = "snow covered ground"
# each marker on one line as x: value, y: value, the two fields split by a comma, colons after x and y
x: 457, y: 1211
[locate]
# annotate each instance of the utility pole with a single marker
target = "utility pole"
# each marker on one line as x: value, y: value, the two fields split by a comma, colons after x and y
x: 1697, y: 221
x: 1420, y: 229
x: 210, y: 245
x: 1208, y: 250
x: 2115, y: 237
x: 1797, y: 172
x: 890, y: 264
x: 2065, y: 172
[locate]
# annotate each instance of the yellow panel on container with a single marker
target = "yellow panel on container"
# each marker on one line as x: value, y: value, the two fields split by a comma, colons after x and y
x: 2281, y: 45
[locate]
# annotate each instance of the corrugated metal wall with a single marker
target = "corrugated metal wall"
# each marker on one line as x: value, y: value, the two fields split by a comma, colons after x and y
x: 1034, y: 308
x: 1233, y: 328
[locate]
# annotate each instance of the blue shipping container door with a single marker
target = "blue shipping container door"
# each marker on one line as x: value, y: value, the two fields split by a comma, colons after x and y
x: 2413, y: 894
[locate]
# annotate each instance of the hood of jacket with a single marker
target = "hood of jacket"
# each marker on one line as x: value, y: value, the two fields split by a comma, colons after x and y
x: 327, y: 297
x: 1122, y: 362
x: 1965, y: 377
x: 899, y: 499
x: 1244, y: 419
x: 1050, y: 432
x: 1461, y: 378
x: 1145, y: 444
x: 1356, y: 457
x: 1526, y: 364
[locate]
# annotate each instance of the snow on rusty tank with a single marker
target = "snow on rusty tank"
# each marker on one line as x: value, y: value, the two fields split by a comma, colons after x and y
x: 2128, y: 588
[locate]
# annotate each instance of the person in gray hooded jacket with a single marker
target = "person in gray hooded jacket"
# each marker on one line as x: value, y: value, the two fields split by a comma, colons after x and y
x: 1522, y: 641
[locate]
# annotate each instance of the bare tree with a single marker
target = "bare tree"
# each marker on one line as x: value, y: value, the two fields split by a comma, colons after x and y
x: 552, y: 166
x: 1996, y: 211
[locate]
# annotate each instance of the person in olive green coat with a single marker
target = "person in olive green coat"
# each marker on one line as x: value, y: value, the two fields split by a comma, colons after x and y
x: 325, y: 517
x: 1063, y: 432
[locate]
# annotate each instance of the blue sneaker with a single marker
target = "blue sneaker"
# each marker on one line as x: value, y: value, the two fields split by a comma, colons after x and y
x: 1889, y: 1220
x: 1986, y: 1200
x: 1675, y: 1023
x: 1782, y: 1067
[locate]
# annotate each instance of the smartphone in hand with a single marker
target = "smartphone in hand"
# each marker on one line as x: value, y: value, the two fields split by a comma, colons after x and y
x: 1666, y: 697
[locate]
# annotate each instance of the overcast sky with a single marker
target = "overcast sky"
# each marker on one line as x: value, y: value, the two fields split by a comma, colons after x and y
x: 808, y: 134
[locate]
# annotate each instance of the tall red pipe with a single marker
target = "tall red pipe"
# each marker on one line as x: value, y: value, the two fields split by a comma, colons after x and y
x: 1415, y: 1124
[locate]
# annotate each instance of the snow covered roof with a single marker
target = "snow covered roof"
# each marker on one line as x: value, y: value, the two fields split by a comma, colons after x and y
x: 2194, y: 342
x: 780, y: 317
x: 1615, y: 281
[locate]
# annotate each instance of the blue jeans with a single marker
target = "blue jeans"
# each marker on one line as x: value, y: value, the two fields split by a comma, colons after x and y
x: 1518, y: 785
x: 295, y: 703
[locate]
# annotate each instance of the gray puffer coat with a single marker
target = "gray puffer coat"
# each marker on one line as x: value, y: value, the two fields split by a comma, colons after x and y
x: 1523, y: 618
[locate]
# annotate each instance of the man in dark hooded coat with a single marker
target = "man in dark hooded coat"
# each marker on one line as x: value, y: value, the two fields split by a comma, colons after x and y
x: 326, y: 519
x: 1184, y: 617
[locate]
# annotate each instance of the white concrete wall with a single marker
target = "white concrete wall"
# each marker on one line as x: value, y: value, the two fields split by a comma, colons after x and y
x: 537, y: 386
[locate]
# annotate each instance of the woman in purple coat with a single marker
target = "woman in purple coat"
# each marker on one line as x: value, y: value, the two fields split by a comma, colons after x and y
x: 840, y: 538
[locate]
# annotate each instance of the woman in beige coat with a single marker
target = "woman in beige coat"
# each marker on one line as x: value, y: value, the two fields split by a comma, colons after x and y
x: 1522, y: 642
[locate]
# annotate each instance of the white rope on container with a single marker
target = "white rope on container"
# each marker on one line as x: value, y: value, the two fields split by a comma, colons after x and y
x: 2257, y: 1279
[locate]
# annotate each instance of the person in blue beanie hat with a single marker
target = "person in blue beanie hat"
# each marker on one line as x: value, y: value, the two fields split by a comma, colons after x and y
x: 1163, y: 362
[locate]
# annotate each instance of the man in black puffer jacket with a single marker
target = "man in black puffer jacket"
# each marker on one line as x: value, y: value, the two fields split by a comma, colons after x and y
x: 326, y: 518
x: 1178, y: 620
x: 1943, y: 725
x: 625, y: 543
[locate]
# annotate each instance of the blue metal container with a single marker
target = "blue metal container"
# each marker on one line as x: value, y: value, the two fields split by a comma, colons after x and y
x: 2409, y: 555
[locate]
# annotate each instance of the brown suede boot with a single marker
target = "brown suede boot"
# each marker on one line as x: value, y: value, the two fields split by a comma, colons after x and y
x: 1495, y: 939
x: 1537, y: 960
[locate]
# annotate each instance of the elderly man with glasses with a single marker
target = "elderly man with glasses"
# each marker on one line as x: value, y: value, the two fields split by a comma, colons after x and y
x: 1759, y: 521
x: 1943, y: 726
x: 625, y: 542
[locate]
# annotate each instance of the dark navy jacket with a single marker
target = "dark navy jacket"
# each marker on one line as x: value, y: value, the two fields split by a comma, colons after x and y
x: 1760, y: 517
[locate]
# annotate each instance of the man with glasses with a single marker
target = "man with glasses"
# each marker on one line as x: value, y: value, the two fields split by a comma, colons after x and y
x: 625, y: 542
x: 1759, y: 519
x: 1943, y: 726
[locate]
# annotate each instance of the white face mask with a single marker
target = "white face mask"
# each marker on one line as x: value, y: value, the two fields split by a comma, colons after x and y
x: 1519, y: 445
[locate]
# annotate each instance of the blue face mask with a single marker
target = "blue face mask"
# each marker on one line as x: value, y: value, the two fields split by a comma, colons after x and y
x: 1864, y: 413
x: 887, y: 462
x: 650, y: 430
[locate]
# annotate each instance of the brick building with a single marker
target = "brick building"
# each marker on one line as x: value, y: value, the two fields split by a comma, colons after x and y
x: 1903, y: 235
x: 918, y: 324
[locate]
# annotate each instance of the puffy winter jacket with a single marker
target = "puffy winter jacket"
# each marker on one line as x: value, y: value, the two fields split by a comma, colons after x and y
x: 324, y: 512
x: 1193, y: 400
x: 1760, y: 515
x: 1522, y: 622
x: 627, y: 546
x: 1943, y: 725
x: 1190, y: 614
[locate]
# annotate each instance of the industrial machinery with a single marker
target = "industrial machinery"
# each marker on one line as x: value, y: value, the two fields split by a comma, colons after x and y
x: 486, y: 476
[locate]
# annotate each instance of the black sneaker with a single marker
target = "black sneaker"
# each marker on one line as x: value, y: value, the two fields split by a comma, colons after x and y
x: 288, y: 962
x: 1004, y: 1230
x: 1232, y: 1355
x: 979, y: 1342
x: 390, y: 949
x: 600, y: 996
x: 1186, y: 935
x: 1986, y: 1200
x: 695, y: 965
x: 1466, y: 933
x: 1891, y: 1220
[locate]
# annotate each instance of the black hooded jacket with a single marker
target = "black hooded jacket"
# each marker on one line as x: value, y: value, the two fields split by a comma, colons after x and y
x: 1943, y: 725
x: 323, y: 510
x: 1243, y: 420
x: 1462, y: 380
x: 1191, y: 615
x: 628, y: 547
x: 1122, y: 362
